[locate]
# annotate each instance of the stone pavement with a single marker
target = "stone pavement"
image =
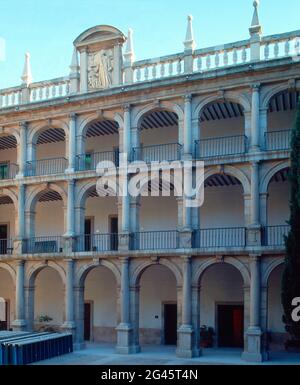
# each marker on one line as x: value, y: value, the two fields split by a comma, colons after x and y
x: 95, y: 354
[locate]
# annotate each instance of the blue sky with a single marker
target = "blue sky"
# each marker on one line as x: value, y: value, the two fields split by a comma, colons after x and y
x: 47, y: 28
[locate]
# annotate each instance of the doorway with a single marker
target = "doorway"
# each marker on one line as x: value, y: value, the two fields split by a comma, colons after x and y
x: 114, y: 229
x: 230, y: 321
x: 3, y: 238
x: 88, y: 230
x: 4, y: 311
x: 170, y: 324
x: 87, y: 321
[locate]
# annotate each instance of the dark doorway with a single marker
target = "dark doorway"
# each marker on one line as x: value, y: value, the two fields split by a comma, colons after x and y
x: 3, y: 314
x: 114, y: 233
x: 170, y: 324
x: 3, y: 239
x: 88, y: 234
x: 87, y: 321
x: 231, y: 326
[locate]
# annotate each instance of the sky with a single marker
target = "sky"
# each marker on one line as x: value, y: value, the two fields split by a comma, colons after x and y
x: 47, y: 28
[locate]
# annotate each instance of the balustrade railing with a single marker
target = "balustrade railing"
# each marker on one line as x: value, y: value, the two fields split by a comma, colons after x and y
x: 278, y: 140
x: 156, y: 240
x: 86, y: 162
x: 223, y: 146
x: 43, y: 245
x: 159, y: 152
x: 274, y: 235
x: 219, y: 238
x: 6, y: 246
x: 49, y: 90
x: 8, y: 170
x: 46, y: 167
x: 10, y: 97
x: 97, y: 242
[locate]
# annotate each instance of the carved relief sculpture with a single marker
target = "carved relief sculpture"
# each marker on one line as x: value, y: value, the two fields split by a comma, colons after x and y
x: 100, y: 68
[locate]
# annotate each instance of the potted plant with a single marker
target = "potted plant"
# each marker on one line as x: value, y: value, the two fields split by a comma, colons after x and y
x: 44, y: 320
x: 206, y: 336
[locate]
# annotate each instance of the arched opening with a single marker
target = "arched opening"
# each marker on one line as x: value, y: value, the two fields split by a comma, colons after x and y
x: 275, y: 326
x: 158, y: 137
x: 100, y: 306
x: 222, y: 130
x: 278, y: 210
x: 7, y: 225
x: 7, y: 300
x: 48, y: 300
x: 158, y: 320
x: 222, y: 222
x: 8, y: 157
x: 100, y: 144
x: 98, y: 221
x: 281, y: 115
x: 222, y: 307
x: 46, y: 236
x: 49, y: 150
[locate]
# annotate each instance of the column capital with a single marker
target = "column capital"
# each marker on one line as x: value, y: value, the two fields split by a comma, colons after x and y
x: 255, y: 257
x: 23, y: 124
x: 186, y: 258
x: 188, y: 98
x: 20, y: 262
x: 126, y: 107
x: 124, y: 259
x: 69, y: 260
x: 73, y: 116
x: 71, y: 181
x: 255, y: 163
x: 255, y: 87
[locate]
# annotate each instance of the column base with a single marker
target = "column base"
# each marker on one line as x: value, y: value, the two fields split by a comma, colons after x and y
x: 19, y: 325
x: 125, y: 343
x: 186, y: 347
x: 79, y: 345
x: 69, y: 327
x: 253, y: 352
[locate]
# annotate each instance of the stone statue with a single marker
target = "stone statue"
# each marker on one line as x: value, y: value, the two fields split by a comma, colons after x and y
x: 100, y: 69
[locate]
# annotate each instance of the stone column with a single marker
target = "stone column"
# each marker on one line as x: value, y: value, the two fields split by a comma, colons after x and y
x: 20, y: 322
x: 69, y: 324
x: 83, y: 70
x: 125, y: 344
x: 18, y: 242
x: 22, y: 156
x: 188, y: 145
x: 72, y: 144
x: 254, y: 230
x: 79, y: 317
x: 255, y: 118
x: 70, y: 234
x: 186, y: 346
x: 252, y: 352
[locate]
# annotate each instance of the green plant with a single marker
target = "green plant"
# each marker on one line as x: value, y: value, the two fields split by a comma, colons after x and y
x: 44, y: 318
x: 291, y: 275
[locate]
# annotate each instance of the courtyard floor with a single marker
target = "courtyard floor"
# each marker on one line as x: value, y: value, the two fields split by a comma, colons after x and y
x: 95, y: 354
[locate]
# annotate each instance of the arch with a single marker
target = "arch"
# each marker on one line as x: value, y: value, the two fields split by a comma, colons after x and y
x: 10, y: 270
x: 242, y: 99
x: 169, y: 106
x: 137, y: 273
x: 35, y: 194
x: 229, y: 260
x: 233, y: 171
x: 82, y: 193
x: 83, y: 271
x: 272, y: 266
x: 36, y: 269
x: 266, y: 178
x: 11, y: 131
x: 36, y: 129
x: 91, y: 118
x: 270, y: 92
x: 11, y: 194
x: 98, y: 33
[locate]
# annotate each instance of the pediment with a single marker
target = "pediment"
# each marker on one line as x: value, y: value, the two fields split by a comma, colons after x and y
x: 99, y: 35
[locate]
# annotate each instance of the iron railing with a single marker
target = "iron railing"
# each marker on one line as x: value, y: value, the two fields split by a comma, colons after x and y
x: 8, y: 170
x: 219, y: 238
x: 278, y: 140
x: 156, y: 240
x: 222, y: 146
x: 46, y: 166
x: 98, y: 242
x: 274, y: 235
x: 86, y: 162
x: 6, y: 246
x: 158, y: 153
x: 42, y: 245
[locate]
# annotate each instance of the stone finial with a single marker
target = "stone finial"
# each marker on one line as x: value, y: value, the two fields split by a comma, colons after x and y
x: 74, y: 66
x: 189, y: 43
x: 27, y: 75
x: 129, y: 51
x: 255, y: 28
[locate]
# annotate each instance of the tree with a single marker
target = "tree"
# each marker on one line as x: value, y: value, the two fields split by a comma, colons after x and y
x: 291, y: 274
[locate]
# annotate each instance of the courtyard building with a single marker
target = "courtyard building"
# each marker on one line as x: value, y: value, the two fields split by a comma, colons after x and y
x: 134, y: 272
